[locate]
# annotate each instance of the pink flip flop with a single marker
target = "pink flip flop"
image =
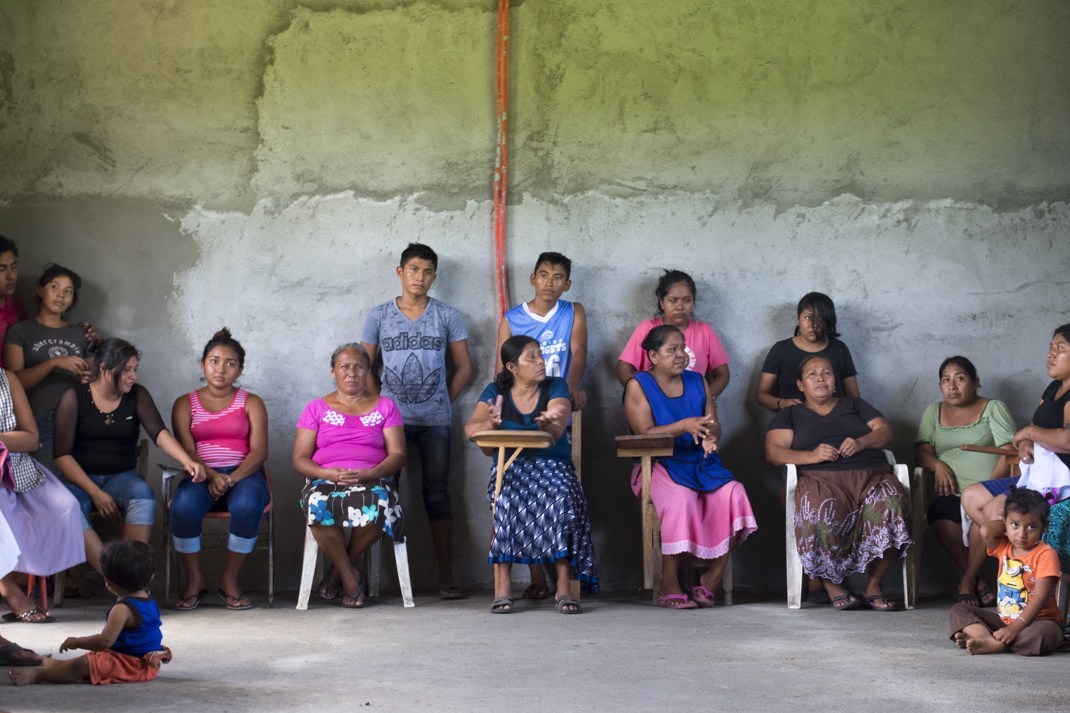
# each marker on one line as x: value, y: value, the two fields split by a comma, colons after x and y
x: 676, y: 601
x: 702, y: 597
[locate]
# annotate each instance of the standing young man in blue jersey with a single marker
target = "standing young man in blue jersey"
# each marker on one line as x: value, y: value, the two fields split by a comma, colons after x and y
x: 558, y: 325
x: 413, y: 333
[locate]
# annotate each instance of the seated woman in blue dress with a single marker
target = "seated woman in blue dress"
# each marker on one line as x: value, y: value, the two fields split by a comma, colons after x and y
x: 541, y: 513
x: 703, y: 509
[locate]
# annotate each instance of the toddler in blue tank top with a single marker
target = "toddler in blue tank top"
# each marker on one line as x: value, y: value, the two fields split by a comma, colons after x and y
x: 129, y: 648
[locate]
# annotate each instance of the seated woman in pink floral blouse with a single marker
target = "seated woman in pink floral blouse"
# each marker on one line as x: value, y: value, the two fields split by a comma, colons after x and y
x: 349, y: 446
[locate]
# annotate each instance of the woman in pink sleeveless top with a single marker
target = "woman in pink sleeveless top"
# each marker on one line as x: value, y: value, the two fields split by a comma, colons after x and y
x: 227, y: 428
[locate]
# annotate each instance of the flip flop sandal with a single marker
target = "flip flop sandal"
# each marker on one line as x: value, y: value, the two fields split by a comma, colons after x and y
x: 502, y: 605
x: 676, y: 601
x: 238, y: 603
x: 534, y: 591
x: 567, y: 605
x: 971, y: 599
x: 30, y: 616
x: 353, y: 600
x: 872, y: 603
x: 846, y: 602
x: 702, y: 596
x: 189, y: 603
x: 328, y: 590
x: 9, y: 656
x: 986, y: 596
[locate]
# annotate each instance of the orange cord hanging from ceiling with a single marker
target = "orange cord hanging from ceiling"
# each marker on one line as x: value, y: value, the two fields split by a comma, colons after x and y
x: 501, y: 160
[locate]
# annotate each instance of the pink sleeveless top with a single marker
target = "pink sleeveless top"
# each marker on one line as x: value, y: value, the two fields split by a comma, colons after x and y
x: 222, y: 437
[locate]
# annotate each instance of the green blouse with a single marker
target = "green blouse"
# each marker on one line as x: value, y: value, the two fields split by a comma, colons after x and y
x: 995, y: 427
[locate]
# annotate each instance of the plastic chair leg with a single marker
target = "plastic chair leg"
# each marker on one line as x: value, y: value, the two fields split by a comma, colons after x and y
x: 308, y: 569
x: 793, y: 564
x: 401, y: 559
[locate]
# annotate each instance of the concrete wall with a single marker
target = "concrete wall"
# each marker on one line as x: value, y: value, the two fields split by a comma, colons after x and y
x: 261, y: 165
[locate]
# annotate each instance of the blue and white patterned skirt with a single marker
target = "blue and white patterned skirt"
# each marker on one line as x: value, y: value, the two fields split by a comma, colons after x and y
x: 541, y: 517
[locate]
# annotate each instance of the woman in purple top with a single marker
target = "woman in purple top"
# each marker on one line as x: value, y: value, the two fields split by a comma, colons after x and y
x: 349, y: 446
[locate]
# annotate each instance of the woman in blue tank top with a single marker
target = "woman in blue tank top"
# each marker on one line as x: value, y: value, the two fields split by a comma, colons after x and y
x: 704, y: 511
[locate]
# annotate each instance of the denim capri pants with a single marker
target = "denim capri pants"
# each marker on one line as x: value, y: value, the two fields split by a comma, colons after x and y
x: 130, y: 492
x: 245, y: 502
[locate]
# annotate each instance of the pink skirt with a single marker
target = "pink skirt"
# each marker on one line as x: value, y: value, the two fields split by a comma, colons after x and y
x: 706, y: 525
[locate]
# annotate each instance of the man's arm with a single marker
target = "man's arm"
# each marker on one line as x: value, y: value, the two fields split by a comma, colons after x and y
x: 577, y: 356
x: 462, y: 368
x: 504, y: 332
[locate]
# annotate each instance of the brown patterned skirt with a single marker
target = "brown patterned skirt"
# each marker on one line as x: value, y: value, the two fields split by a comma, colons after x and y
x: 846, y: 519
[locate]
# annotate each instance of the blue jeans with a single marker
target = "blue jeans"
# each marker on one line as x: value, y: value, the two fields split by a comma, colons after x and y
x: 245, y: 502
x: 130, y: 492
x: 433, y: 445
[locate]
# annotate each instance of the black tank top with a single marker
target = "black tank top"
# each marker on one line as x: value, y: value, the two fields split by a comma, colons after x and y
x: 1050, y: 412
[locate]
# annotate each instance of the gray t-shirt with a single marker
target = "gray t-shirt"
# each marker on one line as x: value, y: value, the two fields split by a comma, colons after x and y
x: 40, y: 343
x: 414, y: 358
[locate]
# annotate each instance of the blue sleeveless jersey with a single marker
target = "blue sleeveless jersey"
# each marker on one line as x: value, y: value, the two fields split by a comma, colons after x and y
x: 553, y: 333
x: 688, y: 466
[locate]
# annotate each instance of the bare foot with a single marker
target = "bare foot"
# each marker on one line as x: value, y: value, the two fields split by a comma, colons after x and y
x: 23, y: 676
x: 987, y: 645
x: 960, y: 639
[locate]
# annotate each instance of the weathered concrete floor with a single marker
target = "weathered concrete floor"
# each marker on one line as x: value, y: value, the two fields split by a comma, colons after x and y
x: 620, y: 655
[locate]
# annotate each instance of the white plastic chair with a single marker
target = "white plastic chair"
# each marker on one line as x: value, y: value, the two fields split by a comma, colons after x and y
x: 791, y: 550
x: 309, y: 573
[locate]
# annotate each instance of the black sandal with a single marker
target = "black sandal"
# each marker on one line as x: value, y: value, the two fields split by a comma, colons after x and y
x: 872, y: 603
x: 845, y: 602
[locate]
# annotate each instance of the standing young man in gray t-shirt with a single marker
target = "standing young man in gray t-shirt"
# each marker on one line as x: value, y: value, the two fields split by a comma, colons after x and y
x: 413, y: 332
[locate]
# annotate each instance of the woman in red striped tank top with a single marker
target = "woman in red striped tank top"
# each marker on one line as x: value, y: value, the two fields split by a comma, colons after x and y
x: 227, y: 427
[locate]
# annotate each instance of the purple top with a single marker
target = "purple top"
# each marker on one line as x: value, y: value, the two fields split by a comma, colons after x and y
x: 349, y: 441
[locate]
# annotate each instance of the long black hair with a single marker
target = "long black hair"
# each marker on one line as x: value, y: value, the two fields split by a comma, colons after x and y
x: 823, y: 309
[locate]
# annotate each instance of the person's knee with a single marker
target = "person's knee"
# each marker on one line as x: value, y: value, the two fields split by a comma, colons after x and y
x: 248, y: 498
x: 141, y: 511
x: 437, y: 503
x: 974, y: 496
x: 944, y: 507
x: 185, y: 507
x: 993, y: 509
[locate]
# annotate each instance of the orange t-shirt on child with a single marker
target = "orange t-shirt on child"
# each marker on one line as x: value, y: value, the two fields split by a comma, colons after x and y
x: 1018, y: 578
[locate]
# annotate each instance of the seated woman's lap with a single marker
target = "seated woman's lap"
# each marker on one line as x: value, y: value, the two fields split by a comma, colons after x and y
x: 245, y: 502
x: 859, y: 514
x: 374, y: 503
x: 701, y: 523
x: 999, y: 486
x: 945, y: 507
x: 129, y: 491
